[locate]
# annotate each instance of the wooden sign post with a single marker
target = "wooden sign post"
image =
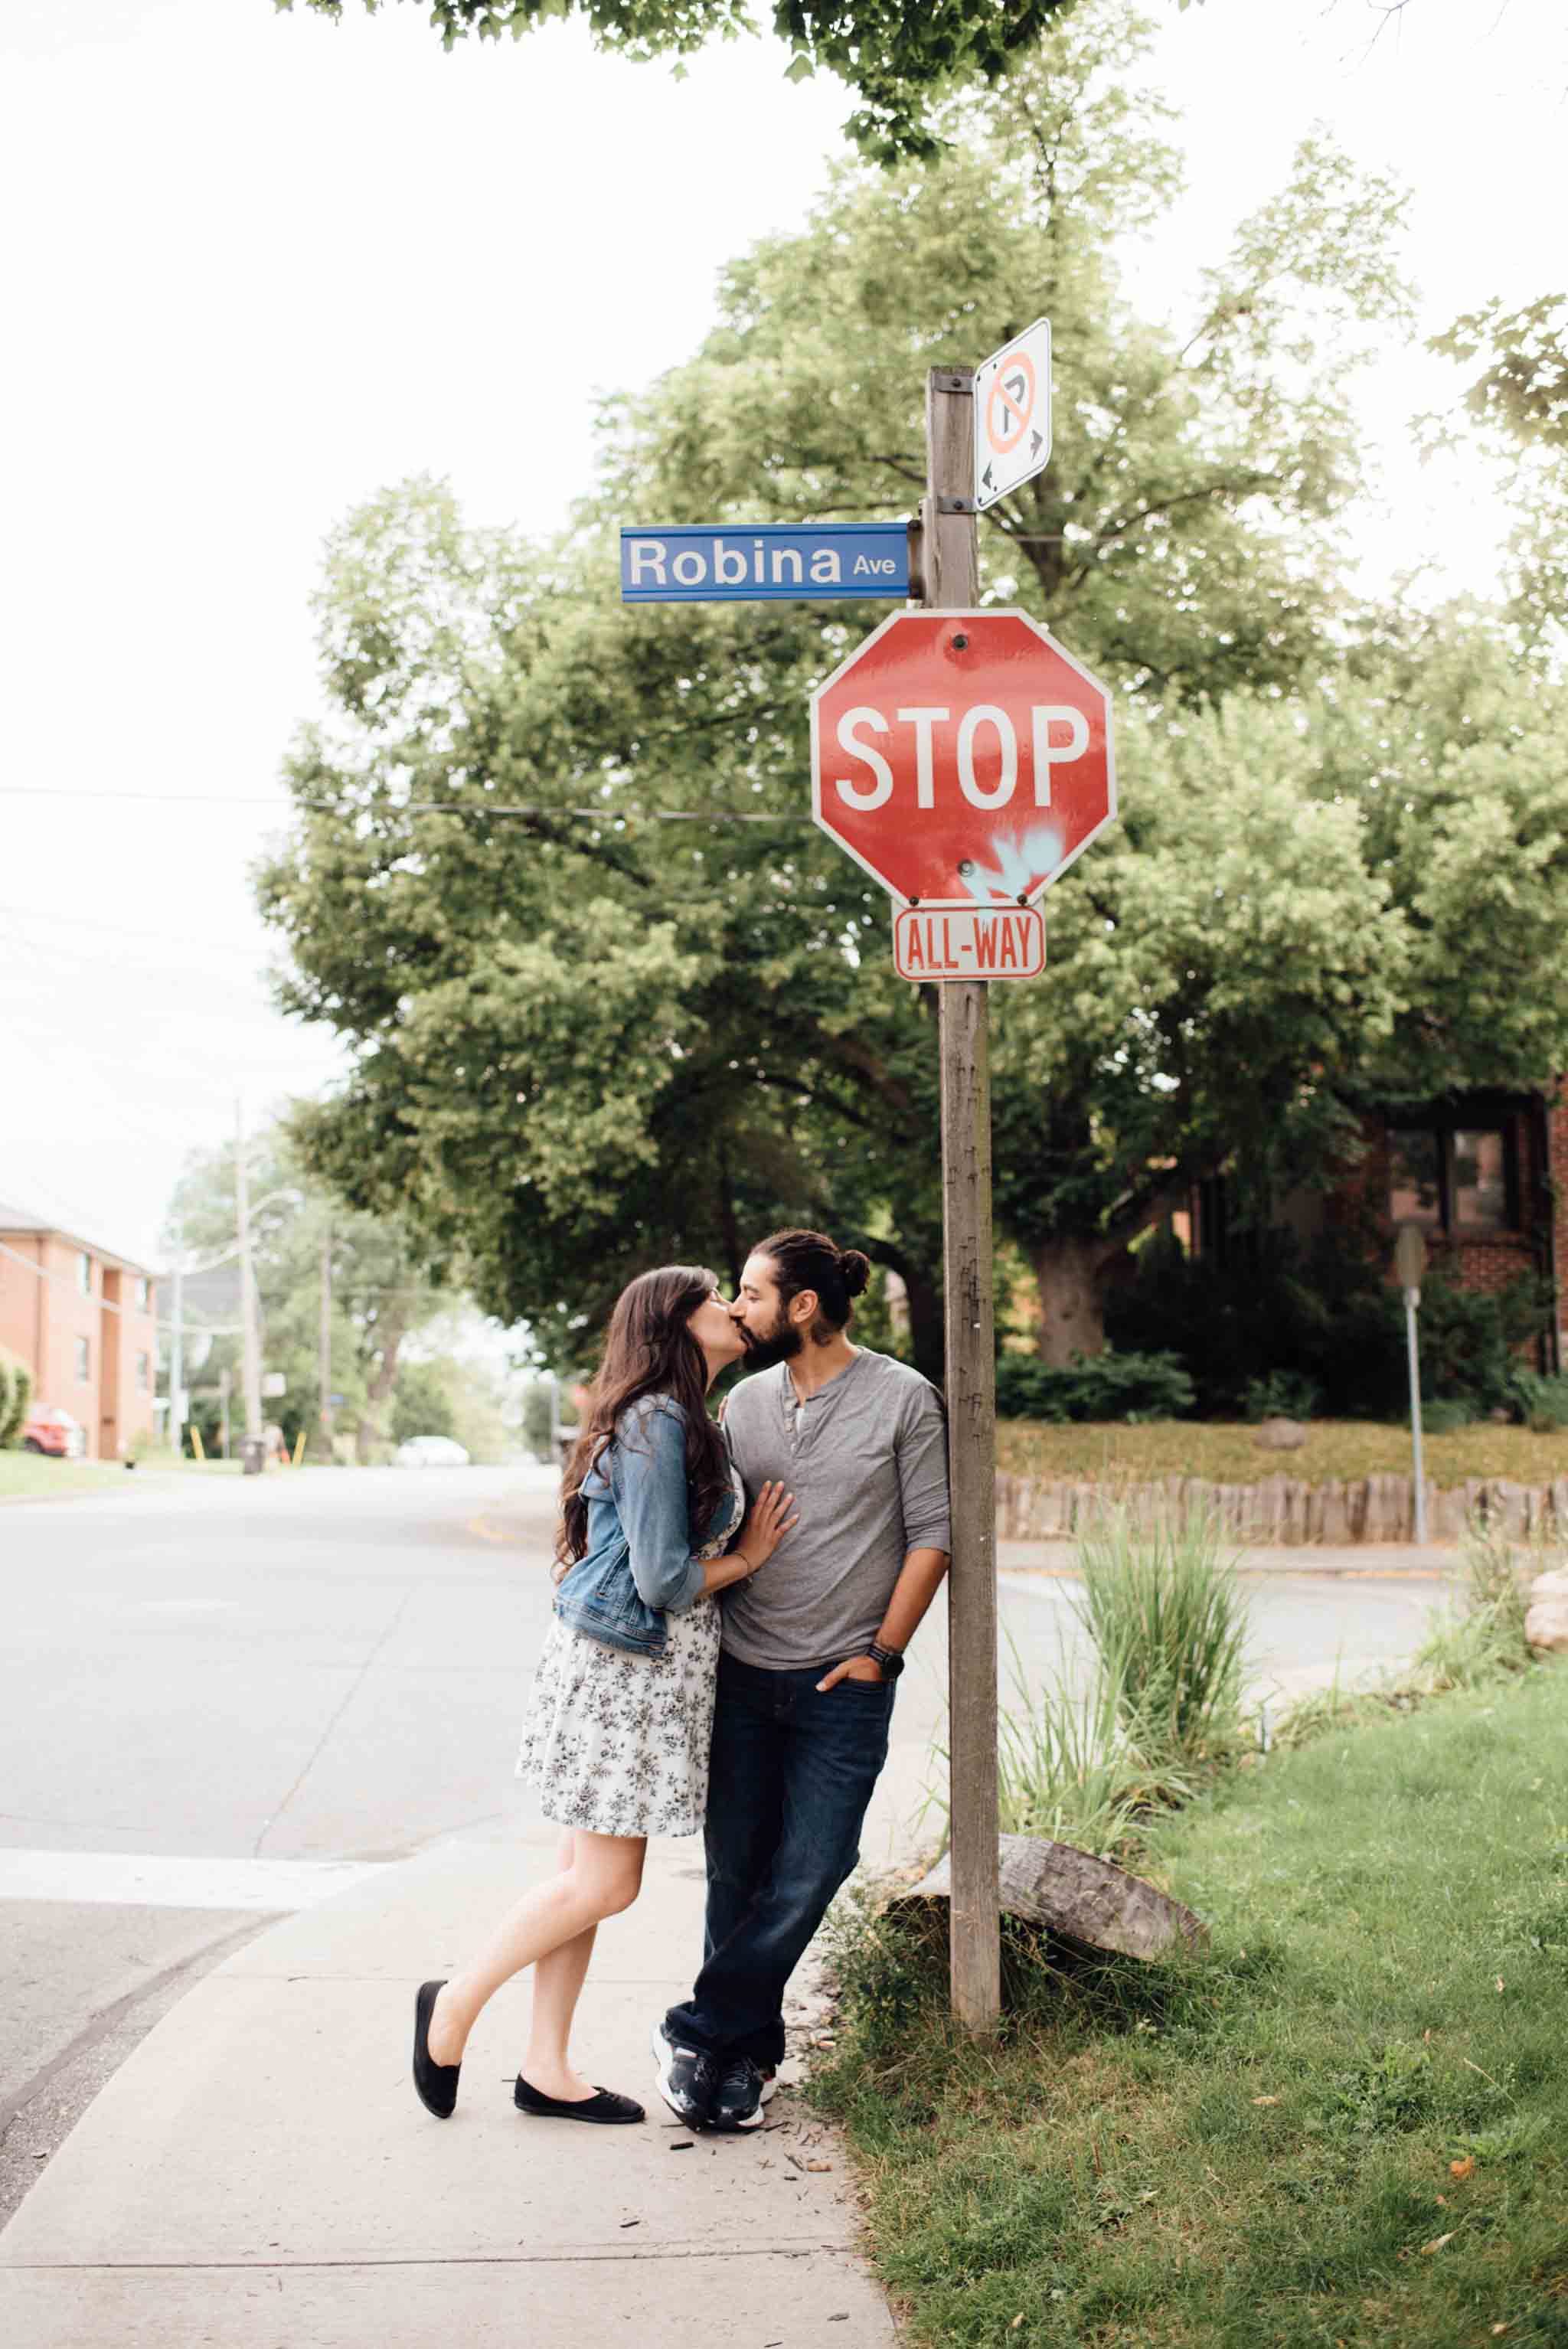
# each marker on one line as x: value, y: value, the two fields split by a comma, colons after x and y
x: 951, y: 581
x: 963, y: 758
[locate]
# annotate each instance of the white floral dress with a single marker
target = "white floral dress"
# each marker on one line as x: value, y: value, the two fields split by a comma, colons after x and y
x: 617, y: 1743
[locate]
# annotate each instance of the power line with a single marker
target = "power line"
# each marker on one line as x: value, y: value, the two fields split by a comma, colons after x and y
x: 119, y: 930
x: 64, y: 1280
x: 610, y: 816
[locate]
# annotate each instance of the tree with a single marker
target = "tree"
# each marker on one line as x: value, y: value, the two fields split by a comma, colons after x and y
x: 381, y: 1287
x: 897, y: 59
x: 441, y: 1394
x: 589, y: 1034
x: 1518, y: 406
x: 421, y: 1403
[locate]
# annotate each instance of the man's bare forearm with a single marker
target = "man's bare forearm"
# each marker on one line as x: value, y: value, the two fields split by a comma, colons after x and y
x: 918, y: 1581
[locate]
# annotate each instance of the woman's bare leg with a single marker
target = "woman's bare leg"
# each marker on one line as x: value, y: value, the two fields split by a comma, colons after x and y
x: 605, y: 1877
x: 558, y: 1981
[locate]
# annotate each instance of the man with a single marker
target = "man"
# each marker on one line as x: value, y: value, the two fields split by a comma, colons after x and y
x: 812, y: 1649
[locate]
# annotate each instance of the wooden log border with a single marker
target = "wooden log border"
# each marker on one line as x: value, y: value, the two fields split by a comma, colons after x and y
x: 1282, y: 1510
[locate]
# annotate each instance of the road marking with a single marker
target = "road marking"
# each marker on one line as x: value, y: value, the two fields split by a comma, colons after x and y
x: 167, y: 1880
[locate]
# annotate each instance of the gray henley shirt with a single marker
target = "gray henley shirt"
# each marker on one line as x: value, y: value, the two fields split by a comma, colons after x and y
x: 866, y: 1459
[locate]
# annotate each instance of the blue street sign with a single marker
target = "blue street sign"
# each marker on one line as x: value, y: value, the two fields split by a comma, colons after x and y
x: 706, y: 563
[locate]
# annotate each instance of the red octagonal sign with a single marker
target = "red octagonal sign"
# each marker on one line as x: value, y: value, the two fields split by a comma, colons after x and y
x: 962, y: 758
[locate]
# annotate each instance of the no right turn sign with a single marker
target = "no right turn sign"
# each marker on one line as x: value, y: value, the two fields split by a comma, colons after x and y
x: 1012, y: 414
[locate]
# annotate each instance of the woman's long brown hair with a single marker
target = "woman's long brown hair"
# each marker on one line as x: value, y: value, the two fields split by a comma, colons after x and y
x: 649, y: 1350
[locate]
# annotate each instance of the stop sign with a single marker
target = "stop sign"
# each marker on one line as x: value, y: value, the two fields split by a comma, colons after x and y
x: 962, y: 758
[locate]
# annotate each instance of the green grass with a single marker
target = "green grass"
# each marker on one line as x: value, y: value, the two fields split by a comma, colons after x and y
x: 29, y: 1476
x: 1224, y: 1453
x: 24, y: 1476
x: 1256, y: 2148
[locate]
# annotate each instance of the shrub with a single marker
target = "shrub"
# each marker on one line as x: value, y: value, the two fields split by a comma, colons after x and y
x: 1169, y: 1620
x: 1445, y: 1414
x: 1324, y: 1315
x: 1284, y: 1394
x: 1542, y: 1403
x: 15, y: 1395
x: 1093, y: 1387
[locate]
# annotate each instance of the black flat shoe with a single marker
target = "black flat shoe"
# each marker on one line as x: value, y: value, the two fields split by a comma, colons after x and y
x: 435, y: 2085
x: 603, y: 2105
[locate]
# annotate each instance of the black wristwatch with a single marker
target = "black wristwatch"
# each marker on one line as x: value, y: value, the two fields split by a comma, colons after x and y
x: 887, y: 1660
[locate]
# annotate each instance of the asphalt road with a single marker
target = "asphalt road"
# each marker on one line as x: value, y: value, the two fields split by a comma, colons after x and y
x: 220, y: 1698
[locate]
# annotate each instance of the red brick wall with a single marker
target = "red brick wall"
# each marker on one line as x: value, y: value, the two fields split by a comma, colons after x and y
x: 1484, y: 1261
x: 1559, y: 1171
x: 41, y: 1319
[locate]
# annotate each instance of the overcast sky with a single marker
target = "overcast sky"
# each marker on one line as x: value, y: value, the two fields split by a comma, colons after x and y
x: 259, y: 267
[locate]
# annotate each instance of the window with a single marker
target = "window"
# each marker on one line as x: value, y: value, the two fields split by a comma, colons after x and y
x: 1453, y: 1178
x: 1480, y: 1178
x: 141, y: 1374
x: 83, y: 1272
x: 143, y: 1290
x: 82, y: 1370
x: 1415, y: 1171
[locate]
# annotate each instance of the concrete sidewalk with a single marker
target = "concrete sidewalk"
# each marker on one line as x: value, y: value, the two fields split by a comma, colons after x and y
x: 260, y: 2176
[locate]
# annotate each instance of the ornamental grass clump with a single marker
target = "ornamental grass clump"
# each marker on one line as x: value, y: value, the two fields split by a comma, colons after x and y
x: 1079, y: 1764
x: 1169, y: 1620
x: 1482, y: 1639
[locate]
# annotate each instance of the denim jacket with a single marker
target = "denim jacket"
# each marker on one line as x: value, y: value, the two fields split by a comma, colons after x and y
x: 638, y: 1566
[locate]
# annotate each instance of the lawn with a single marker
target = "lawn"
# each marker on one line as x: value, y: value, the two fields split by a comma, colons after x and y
x: 1347, y: 2127
x: 1227, y: 1454
x: 30, y: 1475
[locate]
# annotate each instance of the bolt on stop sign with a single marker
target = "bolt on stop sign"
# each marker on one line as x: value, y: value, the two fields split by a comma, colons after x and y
x: 964, y: 760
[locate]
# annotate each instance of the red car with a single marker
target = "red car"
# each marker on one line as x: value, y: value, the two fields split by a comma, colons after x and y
x: 55, y: 1432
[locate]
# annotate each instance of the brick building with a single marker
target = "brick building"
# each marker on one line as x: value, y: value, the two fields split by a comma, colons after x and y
x: 1485, y: 1176
x: 82, y: 1319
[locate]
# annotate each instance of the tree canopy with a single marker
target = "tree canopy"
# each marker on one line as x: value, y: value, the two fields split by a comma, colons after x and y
x: 613, y: 999
x: 381, y: 1286
x: 1518, y: 404
x: 898, y: 60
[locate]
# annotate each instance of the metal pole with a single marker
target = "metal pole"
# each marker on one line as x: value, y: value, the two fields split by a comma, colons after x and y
x: 1412, y: 1304
x: 951, y: 580
x: 252, y: 1375
x: 223, y: 1384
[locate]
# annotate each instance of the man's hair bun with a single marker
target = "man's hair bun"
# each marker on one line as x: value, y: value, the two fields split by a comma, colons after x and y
x: 854, y: 1271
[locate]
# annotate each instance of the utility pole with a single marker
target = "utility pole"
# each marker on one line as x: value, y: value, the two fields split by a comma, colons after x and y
x: 951, y: 578
x: 224, y: 1383
x: 177, y: 1352
x: 323, y: 1344
x: 252, y: 1373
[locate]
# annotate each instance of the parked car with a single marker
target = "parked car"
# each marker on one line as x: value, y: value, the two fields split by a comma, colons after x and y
x: 429, y: 1452
x: 56, y: 1433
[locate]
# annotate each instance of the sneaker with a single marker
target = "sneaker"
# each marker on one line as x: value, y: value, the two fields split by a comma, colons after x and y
x: 687, y: 2078
x: 742, y: 2092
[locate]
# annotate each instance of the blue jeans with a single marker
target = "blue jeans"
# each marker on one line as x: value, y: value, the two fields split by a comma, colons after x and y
x: 791, y: 1774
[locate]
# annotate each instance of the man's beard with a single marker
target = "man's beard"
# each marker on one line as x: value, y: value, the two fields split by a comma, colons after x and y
x: 779, y: 1344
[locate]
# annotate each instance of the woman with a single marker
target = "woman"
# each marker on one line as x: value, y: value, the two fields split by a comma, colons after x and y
x: 622, y: 1710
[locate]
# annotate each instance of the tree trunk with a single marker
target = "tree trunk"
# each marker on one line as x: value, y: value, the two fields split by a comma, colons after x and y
x: 1069, y: 1274
x: 1088, y: 1900
x: 378, y: 1389
x: 922, y: 1299
x: 925, y: 1339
